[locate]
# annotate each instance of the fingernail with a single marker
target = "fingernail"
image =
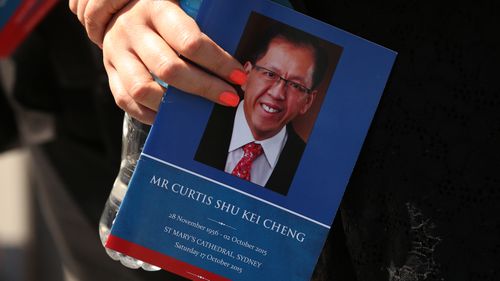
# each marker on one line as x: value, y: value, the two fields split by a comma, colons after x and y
x: 229, y: 99
x: 238, y: 77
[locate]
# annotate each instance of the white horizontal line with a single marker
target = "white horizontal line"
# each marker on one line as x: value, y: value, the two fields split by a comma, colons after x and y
x: 237, y: 190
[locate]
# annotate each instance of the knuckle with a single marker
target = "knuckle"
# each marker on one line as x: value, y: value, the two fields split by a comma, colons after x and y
x: 107, y: 51
x: 116, y: 5
x: 191, y: 44
x: 139, y: 90
x: 115, y: 31
x: 91, y: 26
x: 107, y: 43
x: 121, y: 23
x: 122, y: 101
x: 169, y: 70
x: 81, y: 18
x: 73, y: 6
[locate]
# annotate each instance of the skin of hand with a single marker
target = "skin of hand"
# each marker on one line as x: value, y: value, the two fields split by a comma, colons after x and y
x: 148, y: 36
x: 95, y: 15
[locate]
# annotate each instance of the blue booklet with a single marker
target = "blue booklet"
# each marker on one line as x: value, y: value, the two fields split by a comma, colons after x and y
x: 250, y: 193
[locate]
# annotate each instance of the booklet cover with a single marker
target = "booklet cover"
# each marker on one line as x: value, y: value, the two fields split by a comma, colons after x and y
x: 250, y: 193
x: 17, y: 19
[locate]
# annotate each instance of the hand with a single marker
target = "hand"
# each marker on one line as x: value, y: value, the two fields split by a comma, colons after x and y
x: 95, y: 15
x: 147, y: 37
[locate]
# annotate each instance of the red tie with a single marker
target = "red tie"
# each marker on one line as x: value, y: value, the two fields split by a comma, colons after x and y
x: 250, y: 152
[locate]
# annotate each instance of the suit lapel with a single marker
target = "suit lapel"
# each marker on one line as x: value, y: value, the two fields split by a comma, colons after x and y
x: 217, y: 137
x: 283, y: 173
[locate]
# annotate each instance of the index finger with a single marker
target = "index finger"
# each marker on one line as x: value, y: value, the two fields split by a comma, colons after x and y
x: 184, y: 36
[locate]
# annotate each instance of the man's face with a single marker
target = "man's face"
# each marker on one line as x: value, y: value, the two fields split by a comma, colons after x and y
x: 270, y: 105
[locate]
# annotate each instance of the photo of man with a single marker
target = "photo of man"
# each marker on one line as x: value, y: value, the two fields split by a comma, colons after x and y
x: 256, y: 141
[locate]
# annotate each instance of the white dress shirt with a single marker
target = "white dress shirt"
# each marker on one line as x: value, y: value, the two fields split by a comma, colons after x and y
x: 263, y: 166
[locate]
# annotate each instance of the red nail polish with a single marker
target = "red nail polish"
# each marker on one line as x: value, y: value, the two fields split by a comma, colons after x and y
x: 238, y: 77
x: 230, y: 99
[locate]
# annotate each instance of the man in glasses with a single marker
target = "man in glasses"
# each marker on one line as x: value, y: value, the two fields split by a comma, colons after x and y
x: 257, y: 141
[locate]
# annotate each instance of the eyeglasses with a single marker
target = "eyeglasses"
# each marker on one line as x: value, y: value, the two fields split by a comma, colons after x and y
x: 271, y: 76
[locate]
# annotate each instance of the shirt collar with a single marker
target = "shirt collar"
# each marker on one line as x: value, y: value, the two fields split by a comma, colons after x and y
x: 242, y: 135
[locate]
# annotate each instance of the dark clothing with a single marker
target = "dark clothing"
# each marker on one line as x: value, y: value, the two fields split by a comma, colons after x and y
x: 422, y: 202
x: 214, y: 145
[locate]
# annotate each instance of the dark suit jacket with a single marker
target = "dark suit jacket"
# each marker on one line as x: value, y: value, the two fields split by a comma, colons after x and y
x: 213, y: 149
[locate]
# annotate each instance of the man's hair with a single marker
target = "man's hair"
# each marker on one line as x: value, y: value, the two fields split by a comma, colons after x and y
x: 297, y: 38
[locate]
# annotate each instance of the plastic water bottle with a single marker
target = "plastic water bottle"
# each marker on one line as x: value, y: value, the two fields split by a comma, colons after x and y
x: 133, y: 138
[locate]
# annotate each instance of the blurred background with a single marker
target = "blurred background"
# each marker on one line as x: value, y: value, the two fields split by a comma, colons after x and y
x: 14, y: 214
x: 60, y: 148
x: 60, y: 142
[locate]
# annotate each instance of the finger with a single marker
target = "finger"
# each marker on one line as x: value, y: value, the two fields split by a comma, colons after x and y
x: 97, y: 16
x: 164, y: 62
x: 124, y: 101
x: 73, y: 6
x: 183, y: 35
x: 82, y: 5
x: 136, y: 79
